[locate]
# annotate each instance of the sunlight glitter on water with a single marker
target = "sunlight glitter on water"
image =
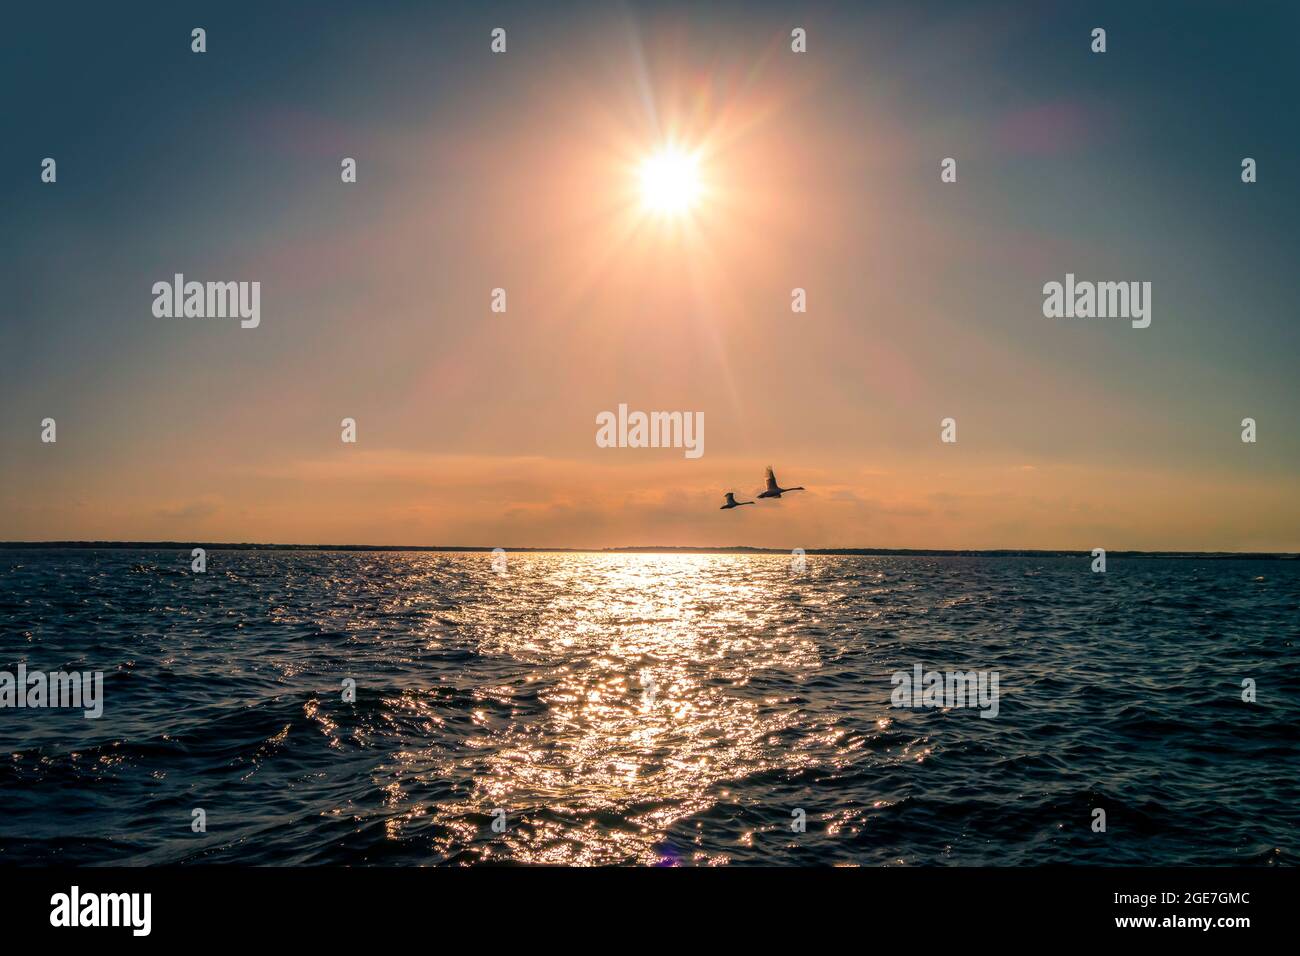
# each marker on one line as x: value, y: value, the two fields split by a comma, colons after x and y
x: 643, y: 656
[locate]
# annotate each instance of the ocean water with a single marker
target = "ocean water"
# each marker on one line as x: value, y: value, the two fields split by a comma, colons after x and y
x: 649, y: 710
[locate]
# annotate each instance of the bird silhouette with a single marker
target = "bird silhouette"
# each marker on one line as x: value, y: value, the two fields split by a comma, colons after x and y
x: 773, y: 490
x: 732, y: 502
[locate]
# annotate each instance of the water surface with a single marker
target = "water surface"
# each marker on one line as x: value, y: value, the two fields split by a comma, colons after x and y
x: 649, y: 709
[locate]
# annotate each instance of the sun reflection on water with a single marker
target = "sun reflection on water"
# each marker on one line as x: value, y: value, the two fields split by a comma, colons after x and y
x: 631, y: 700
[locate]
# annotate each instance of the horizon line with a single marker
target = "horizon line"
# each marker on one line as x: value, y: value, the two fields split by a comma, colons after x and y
x: 90, y: 545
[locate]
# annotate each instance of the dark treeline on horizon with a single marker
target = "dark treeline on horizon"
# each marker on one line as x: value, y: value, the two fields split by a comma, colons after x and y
x: 637, y: 549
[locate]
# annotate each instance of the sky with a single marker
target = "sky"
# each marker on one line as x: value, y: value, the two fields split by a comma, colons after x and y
x: 520, y: 170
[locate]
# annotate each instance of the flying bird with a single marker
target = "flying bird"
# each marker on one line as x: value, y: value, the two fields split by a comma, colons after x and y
x: 732, y: 502
x: 773, y: 490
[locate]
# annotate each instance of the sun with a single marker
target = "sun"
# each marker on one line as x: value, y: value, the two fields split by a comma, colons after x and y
x: 670, y: 181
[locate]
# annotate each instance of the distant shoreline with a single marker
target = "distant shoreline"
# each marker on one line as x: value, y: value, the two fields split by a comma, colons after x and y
x: 640, y: 549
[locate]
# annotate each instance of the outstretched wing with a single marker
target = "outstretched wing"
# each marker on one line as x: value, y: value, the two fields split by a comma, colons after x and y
x: 731, y: 497
x: 771, y: 479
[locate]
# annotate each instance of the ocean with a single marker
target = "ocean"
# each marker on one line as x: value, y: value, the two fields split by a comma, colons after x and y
x: 650, y: 709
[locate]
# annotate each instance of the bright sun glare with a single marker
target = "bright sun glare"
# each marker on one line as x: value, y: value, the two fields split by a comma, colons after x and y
x: 670, y: 181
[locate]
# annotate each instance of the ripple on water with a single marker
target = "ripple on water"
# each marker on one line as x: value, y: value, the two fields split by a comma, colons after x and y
x: 650, y: 709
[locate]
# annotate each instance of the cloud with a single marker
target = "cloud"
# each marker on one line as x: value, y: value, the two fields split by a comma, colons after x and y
x: 190, y: 511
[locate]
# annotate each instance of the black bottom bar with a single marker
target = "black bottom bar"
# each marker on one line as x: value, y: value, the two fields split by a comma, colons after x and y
x: 723, y: 905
